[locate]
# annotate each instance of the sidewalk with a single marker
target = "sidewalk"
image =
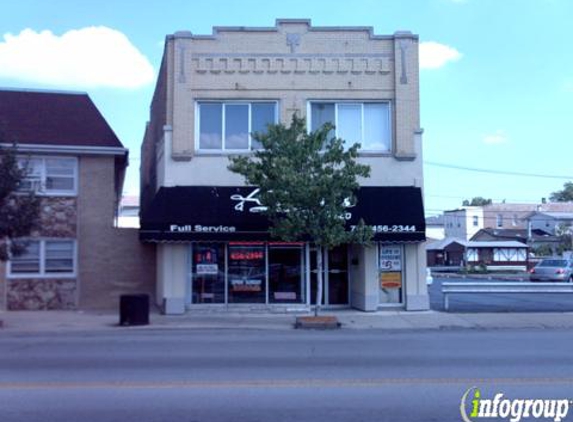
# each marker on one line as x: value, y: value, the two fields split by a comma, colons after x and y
x: 86, y: 321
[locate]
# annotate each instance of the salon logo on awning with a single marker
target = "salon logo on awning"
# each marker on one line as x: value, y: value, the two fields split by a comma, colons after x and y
x: 250, y: 199
x: 255, y: 205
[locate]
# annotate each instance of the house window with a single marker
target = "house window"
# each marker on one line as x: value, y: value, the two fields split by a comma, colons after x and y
x: 499, y: 221
x: 475, y: 220
x: 228, y: 126
x: 45, y: 258
x: 514, y: 221
x: 49, y: 175
x: 366, y: 123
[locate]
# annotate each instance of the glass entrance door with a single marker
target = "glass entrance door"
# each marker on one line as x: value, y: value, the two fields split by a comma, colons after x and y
x: 335, y: 276
x: 337, y: 279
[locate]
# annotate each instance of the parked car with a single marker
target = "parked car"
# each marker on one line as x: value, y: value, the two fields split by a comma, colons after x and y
x: 552, y: 269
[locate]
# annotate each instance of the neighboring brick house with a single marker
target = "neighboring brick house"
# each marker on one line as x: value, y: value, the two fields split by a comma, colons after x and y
x: 214, y: 90
x: 76, y: 164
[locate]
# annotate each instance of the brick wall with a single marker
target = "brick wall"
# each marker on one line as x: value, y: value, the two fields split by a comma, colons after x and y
x: 111, y: 261
x: 124, y: 266
x: 58, y: 219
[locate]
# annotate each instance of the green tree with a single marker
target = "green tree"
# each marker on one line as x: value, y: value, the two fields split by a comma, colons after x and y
x: 564, y: 195
x: 19, y: 212
x: 477, y: 201
x: 306, y: 181
x: 565, y: 233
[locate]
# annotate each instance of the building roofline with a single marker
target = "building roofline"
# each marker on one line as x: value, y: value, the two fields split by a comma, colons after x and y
x: 279, y: 22
x: 68, y: 149
x: 43, y: 91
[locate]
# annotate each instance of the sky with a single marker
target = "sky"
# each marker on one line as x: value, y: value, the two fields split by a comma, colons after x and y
x: 496, y: 78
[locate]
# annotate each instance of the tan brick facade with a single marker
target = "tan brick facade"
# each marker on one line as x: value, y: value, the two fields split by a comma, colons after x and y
x: 292, y: 64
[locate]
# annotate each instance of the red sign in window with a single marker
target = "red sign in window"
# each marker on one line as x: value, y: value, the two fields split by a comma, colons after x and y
x: 247, y: 255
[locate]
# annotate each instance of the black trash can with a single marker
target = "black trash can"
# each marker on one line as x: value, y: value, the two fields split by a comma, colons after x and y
x: 134, y: 309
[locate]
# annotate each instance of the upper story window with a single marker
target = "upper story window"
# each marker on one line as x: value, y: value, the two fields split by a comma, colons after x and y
x: 365, y: 122
x: 475, y: 220
x: 45, y: 258
x: 227, y: 126
x: 499, y: 221
x: 50, y: 175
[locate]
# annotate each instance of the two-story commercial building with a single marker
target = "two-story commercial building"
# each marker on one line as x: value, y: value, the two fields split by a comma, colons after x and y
x: 214, y: 91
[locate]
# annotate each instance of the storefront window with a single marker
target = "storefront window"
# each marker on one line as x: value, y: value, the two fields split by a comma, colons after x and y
x: 285, y: 274
x: 391, y: 264
x: 247, y: 273
x: 208, y: 273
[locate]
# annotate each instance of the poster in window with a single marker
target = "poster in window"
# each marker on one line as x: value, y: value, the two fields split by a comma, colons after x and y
x: 391, y: 258
x: 390, y: 280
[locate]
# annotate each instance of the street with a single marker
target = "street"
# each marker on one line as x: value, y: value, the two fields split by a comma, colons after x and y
x: 252, y: 375
x: 498, y: 302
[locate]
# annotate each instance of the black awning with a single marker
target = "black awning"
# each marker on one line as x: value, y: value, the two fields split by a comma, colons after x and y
x: 207, y: 213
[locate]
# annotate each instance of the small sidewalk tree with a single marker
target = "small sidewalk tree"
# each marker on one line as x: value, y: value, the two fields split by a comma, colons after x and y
x: 19, y: 212
x: 306, y: 182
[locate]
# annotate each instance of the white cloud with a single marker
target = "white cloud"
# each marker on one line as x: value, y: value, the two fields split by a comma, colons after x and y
x: 499, y: 137
x: 86, y: 57
x: 434, y: 55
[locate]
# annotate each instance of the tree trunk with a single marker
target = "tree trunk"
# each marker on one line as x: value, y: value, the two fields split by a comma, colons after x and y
x: 318, y: 280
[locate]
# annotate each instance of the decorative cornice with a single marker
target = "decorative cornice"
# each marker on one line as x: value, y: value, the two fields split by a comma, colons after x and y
x: 292, y: 64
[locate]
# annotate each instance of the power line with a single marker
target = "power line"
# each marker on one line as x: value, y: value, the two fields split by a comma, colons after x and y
x: 507, y: 173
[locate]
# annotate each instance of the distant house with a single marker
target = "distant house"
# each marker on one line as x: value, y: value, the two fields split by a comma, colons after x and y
x: 507, y: 216
x: 77, y: 258
x: 464, y: 222
x: 128, y: 215
x: 435, y: 227
x: 494, y: 255
x: 549, y: 221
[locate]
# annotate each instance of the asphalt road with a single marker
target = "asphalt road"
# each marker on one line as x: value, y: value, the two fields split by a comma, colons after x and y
x: 498, y: 302
x: 250, y: 375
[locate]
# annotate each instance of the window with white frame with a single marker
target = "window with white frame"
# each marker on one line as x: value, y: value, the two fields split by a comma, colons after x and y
x: 367, y: 123
x: 46, y: 257
x: 49, y: 175
x: 499, y: 220
x: 228, y: 126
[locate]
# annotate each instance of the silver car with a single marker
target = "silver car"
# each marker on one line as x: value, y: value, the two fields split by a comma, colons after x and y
x: 552, y: 269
